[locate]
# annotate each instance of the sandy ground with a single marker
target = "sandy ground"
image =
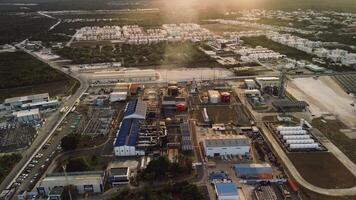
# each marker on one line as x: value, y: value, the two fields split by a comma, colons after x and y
x: 324, y: 95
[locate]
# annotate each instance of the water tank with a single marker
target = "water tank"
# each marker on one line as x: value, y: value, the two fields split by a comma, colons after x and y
x: 214, y: 96
x: 181, y: 107
x: 225, y: 97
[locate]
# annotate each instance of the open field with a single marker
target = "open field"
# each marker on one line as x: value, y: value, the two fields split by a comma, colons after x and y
x: 21, y: 74
x: 322, y: 169
x: 331, y: 130
x: 324, y: 95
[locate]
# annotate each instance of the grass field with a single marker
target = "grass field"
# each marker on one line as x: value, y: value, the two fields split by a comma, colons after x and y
x: 332, y: 131
x: 322, y: 169
x: 21, y: 74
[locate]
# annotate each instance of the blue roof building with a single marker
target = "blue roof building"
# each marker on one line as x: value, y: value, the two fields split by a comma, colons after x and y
x: 256, y: 171
x: 226, y: 191
x: 127, y: 135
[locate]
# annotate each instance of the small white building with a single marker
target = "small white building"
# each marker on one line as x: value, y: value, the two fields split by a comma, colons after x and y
x: 267, y: 81
x: 250, y: 84
x: 27, y: 116
x: 84, y: 182
x: 118, y: 96
x: 234, y: 146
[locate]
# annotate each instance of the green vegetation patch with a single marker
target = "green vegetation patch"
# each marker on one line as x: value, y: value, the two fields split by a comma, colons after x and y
x: 178, y: 191
x: 21, y: 74
x: 7, y: 162
x: 322, y: 169
x: 138, y: 55
x: 86, y: 163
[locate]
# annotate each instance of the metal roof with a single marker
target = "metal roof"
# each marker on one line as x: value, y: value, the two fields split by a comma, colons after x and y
x: 26, y: 98
x: 217, y: 176
x: 252, y: 169
x: 184, y: 129
x: 240, y: 141
x: 136, y: 109
x: 226, y: 189
x: 128, y: 133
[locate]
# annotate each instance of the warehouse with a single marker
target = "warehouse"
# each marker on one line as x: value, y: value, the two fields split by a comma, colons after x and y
x: 253, y: 171
x: 83, y: 182
x: 226, y: 191
x: 125, y: 143
x: 15, y: 103
x: 129, y: 76
x: 236, y: 146
x: 119, y: 176
x: 136, y: 110
x: 28, y: 116
x: 267, y: 81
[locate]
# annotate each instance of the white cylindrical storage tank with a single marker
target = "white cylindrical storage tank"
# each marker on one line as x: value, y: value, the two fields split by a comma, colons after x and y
x: 289, y: 128
x: 303, y: 146
x: 295, y: 137
x: 306, y: 141
x: 293, y: 132
x: 214, y: 96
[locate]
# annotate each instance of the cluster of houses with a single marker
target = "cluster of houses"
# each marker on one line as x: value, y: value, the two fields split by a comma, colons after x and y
x: 134, y: 34
x: 315, y: 48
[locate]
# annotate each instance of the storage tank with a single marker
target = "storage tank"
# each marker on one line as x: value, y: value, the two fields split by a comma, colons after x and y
x: 295, y: 137
x: 303, y: 146
x: 305, y: 141
x: 172, y: 83
x: 214, y: 96
x: 181, y: 107
x: 289, y: 128
x: 173, y: 91
x: 225, y: 97
x: 293, y: 132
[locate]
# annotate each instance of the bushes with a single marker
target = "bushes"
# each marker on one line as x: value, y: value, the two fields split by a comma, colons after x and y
x: 138, y: 55
x: 161, y: 168
x: 20, y: 69
x: 7, y: 162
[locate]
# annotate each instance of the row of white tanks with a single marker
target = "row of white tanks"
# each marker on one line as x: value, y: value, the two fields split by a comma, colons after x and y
x: 296, y: 138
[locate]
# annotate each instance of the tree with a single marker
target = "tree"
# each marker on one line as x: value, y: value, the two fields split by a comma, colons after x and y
x: 77, y: 165
x: 70, y: 142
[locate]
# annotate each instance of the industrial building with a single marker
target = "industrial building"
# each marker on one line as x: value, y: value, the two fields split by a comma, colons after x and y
x: 286, y: 105
x: 129, y: 76
x: 125, y: 143
x: 250, y: 84
x: 226, y: 191
x: 28, y: 116
x: 253, y: 171
x: 186, y: 143
x: 264, y: 82
x: 83, y: 182
x: 235, y: 146
x: 40, y: 101
x: 119, y: 176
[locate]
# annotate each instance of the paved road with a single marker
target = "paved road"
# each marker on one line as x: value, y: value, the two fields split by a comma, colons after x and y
x: 280, y: 153
x: 47, y: 130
